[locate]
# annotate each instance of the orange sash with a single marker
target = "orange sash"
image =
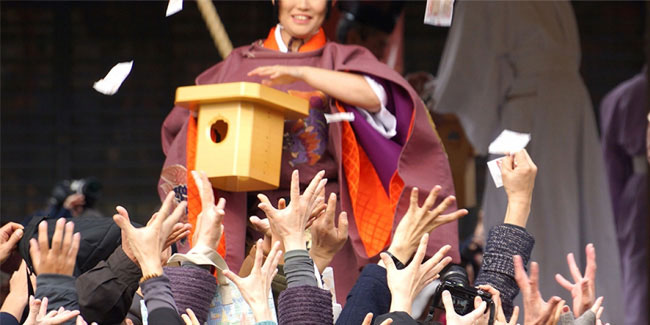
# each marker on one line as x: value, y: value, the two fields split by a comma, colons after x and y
x: 314, y: 43
x: 193, y: 197
x: 374, y: 209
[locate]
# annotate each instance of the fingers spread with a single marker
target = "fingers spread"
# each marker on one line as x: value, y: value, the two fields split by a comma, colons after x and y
x: 563, y: 282
x: 573, y: 267
x: 431, y: 198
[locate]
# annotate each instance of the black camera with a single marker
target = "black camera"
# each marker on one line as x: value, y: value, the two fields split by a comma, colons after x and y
x: 453, y: 278
x: 90, y: 187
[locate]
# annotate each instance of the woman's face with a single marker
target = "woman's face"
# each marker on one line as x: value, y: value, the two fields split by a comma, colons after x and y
x: 301, y: 18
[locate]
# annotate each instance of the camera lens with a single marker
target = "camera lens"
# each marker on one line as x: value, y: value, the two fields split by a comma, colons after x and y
x: 455, y: 274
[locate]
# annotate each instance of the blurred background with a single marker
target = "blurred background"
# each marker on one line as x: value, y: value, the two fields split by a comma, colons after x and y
x: 55, y: 126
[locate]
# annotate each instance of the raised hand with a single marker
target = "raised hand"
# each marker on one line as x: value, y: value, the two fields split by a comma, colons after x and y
x: 17, y: 297
x: 151, y: 238
x: 289, y: 223
x: 419, y: 220
x: 190, y: 318
x: 38, y: 314
x: 209, y: 225
x: 406, y: 284
x: 455, y: 319
x: 500, y: 317
x: 75, y: 204
x: 278, y: 74
x: 536, y: 310
x: 327, y: 238
x: 179, y: 231
x: 583, y: 289
x: 62, y: 256
x: 256, y: 286
x: 518, y: 172
x: 10, y: 235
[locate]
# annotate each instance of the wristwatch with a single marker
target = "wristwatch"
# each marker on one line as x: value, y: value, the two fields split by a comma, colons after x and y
x: 398, y: 264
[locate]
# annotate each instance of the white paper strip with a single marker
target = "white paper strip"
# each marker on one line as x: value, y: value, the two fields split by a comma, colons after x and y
x: 495, y: 171
x: 113, y: 80
x: 173, y: 7
x: 439, y: 12
x: 339, y: 117
x: 508, y: 142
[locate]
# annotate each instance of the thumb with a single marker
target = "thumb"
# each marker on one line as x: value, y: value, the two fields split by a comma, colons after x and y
x: 15, y: 237
x: 448, y: 303
x: 506, y: 164
x: 122, y: 211
x: 387, y: 261
x: 122, y: 222
x: 476, y: 313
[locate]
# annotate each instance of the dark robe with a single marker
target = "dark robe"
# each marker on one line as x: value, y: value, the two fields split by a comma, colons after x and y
x: 414, y: 157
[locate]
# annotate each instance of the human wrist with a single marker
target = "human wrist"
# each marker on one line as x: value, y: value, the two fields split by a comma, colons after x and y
x: 399, y: 303
x: 401, y: 252
x: 294, y: 242
x: 151, y: 267
x: 262, y: 314
x: 14, y: 304
x: 517, y: 213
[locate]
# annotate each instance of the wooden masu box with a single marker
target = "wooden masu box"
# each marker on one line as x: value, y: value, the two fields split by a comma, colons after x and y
x: 239, y: 132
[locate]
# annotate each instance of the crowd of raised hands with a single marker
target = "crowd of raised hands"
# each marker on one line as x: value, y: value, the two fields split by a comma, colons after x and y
x: 386, y: 292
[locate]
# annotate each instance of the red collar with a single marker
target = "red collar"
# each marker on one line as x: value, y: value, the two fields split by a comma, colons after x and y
x: 314, y: 43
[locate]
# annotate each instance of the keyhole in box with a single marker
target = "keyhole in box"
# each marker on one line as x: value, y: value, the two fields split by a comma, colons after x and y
x: 218, y: 131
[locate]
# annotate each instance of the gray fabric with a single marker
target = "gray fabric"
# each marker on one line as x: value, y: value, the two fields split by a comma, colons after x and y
x: 588, y: 318
x: 59, y: 290
x: 158, y: 294
x: 566, y: 319
x: 503, y: 242
x: 524, y: 56
x: 299, y: 269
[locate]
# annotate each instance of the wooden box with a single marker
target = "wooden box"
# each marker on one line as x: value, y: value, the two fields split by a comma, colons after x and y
x: 239, y: 132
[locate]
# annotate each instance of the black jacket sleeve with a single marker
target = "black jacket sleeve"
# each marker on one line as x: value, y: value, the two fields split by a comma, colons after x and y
x: 106, y: 291
x: 59, y: 290
x: 369, y: 294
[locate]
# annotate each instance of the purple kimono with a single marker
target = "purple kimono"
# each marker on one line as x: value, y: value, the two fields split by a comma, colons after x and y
x: 623, y: 123
x: 311, y: 145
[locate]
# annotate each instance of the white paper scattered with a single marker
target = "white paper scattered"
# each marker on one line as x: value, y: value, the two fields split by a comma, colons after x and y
x: 113, y: 80
x: 173, y: 7
x: 339, y: 117
x: 495, y: 171
x: 439, y: 12
x: 508, y: 142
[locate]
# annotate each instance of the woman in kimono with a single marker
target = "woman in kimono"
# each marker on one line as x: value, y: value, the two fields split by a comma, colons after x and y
x: 372, y: 163
x: 515, y: 65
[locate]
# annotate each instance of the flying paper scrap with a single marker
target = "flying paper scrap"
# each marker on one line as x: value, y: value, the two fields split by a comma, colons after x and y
x: 439, y: 12
x: 113, y: 80
x: 495, y: 171
x: 173, y: 7
x: 508, y: 142
x: 339, y: 117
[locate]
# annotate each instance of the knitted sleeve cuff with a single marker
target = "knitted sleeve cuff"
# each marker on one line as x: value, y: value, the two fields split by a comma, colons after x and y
x: 193, y: 288
x: 305, y: 305
x: 504, y: 241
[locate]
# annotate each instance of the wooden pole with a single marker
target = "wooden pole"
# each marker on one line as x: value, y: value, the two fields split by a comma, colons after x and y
x: 215, y: 26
